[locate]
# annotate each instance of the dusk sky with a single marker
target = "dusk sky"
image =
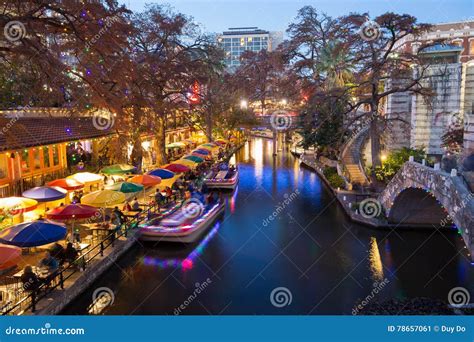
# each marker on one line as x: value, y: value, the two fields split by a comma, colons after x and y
x: 218, y: 15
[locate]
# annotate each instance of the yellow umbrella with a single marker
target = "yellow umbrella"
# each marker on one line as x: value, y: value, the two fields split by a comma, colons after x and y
x: 86, y: 177
x: 103, y: 198
x: 17, y: 205
x: 186, y: 162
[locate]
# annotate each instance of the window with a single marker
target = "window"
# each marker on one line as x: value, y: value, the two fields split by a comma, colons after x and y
x: 25, y: 161
x: 471, y: 47
x: 3, y: 166
x: 46, y: 157
x: 55, y: 155
x: 36, y: 159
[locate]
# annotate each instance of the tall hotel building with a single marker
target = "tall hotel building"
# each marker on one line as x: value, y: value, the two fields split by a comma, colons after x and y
x: 236, y: 40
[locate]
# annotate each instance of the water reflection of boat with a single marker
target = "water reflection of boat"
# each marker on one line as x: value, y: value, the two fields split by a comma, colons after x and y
x: 165, y: 258
x: 222, y: 179
x: 183, y: 225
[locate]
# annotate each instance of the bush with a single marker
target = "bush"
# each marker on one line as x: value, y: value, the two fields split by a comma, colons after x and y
x: 395, y: 161
x: 336, y: 181
x: 329, y: 171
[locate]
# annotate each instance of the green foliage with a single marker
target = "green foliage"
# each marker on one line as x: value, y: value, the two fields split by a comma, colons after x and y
x: 333, y: 178
x: 395, y: 161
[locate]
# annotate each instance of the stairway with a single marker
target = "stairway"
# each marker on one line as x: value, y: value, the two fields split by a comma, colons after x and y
x: 351, y: 158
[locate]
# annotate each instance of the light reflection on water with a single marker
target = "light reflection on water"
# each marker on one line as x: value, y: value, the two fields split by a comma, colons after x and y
x: 311, y: 248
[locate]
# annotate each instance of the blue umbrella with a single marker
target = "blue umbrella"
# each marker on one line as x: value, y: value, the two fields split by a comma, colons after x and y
x: 202, y: 151
x: 45, y: 193
x: 162, y: 173
x: 32, y: 234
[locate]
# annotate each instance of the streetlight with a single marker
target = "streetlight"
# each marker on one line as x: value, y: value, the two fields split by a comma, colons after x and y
x: 243, y: 104
x: 284, y: 102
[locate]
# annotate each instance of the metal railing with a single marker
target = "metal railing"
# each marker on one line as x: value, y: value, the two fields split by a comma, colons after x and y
x: 79, y: 265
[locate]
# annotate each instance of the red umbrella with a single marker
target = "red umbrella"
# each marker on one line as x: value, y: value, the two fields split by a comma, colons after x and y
x: 146, y: 180
x: 67, y: 184
x: 9, y: 256
x: 177, y: 168
x: 71, y: 211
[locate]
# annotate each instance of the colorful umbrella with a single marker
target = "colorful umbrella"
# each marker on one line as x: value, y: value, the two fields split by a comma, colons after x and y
x: 195, y: 159
x: 118, y: 169
x: 176, y: 145
x: 220, y: 143
x: 17, y: 205
x: 162, y: 173
x: 32, y: 234
x: 185, y: 162
x: 210, y: 145
x: 103, y: 198
x: 177, y: 168
x: 207, y: 148
x: 66, y: 183
x: 202, y: 151
x: 71, y: 212
x: 45, y: 193
x: 146, y: 180
x: 9, y: 256
x: 86, y: 177
x: 125, y: 187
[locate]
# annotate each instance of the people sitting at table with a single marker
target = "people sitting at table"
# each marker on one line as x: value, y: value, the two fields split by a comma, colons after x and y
x: 49, y: 262
x: 159, y: 198
x: 70, y: 253
x: 57, y: 252
x: 135, y: 205
x: 169, y: 192
x: 118, y: 218
x: 127, y: 206
x: 29, y: 279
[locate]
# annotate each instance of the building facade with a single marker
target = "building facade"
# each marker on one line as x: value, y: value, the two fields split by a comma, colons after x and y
x: 421, y: 123
x: 236, y: 40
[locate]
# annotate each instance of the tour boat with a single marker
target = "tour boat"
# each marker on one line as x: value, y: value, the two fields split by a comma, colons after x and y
x: 222, y: 179
x: 182, y: 226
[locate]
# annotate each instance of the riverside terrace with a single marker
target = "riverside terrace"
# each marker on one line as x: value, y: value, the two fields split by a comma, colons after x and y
x: 101, y: 245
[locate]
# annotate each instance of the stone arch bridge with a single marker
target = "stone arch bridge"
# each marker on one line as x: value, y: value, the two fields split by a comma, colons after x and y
x: 417, y: 195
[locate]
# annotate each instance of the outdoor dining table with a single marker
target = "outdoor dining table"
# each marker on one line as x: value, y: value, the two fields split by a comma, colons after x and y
x: 41, y: 272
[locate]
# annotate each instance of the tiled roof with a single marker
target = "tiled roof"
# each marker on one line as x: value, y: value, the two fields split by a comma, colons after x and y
x: 18, y: 133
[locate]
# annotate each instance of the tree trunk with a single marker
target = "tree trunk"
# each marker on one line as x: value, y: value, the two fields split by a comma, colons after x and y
x: 375, y: 142
x: 160, y: 137
x: 137, y: 153
x: 209, y: 127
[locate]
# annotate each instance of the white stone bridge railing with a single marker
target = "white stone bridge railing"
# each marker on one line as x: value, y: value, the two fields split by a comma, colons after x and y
x: 449, y: 189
